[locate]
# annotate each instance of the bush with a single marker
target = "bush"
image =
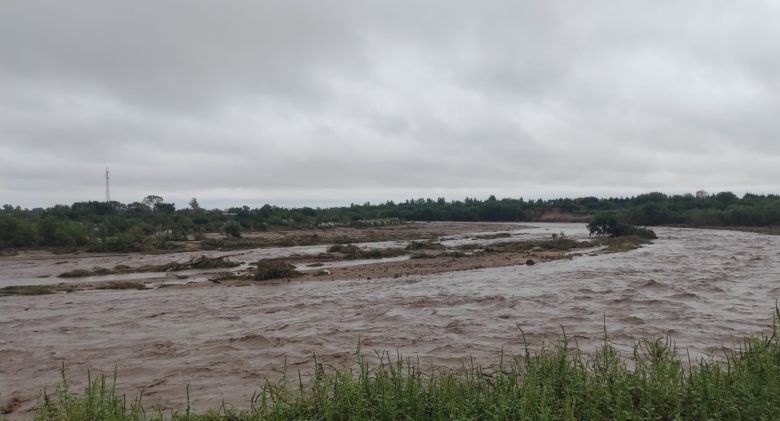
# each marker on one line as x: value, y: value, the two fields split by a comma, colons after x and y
x: 76, y: 273
x: 353, y: 252
x: 423, y: 255
x: 425, y: 245
x: 608, y: 225
x: 558, y: 243
x: 645, y: 233
x: 204, y: 262
x: 26, y: 290
x: 336, y: 248
x: 273, y: 269
x: 233, y: 229
x: 122, y: 285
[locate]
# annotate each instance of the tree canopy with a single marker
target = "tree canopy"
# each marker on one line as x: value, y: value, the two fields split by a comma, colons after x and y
x: 117, y: 226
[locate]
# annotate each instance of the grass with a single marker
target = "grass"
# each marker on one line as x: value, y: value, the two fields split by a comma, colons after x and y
x: 493, y: 236
x: 554, y: 244
x: 249, y: 243
x: 622, y: 244
x: 425, y: 245
x: 76, y: 273
x: 26, y: 290
x: 426, y: 255
x: 81, y: 273
x: 353, y: 252
x: 122, y: 285
x: 376, y: 254
x: 423, y: 255
x: 202, y: 262
x: 654, y: 383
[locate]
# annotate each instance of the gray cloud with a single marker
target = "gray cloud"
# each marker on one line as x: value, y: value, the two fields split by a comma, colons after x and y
x: 348, y: 101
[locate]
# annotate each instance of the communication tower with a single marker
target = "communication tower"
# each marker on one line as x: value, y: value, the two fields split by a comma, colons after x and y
x: 108, y: 193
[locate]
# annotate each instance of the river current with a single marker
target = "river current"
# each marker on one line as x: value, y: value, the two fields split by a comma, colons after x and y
x: 704, y: 288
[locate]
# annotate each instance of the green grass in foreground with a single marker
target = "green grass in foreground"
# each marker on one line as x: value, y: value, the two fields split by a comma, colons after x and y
x: 548, y: 385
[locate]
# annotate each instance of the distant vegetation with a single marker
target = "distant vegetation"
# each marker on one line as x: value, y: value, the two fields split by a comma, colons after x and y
x: 202, y: 262
x: 653, y: 383
x: 153, y: 224
x: 604, y: 224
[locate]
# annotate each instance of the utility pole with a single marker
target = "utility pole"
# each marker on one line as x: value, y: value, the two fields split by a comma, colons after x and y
x: 108, y: 193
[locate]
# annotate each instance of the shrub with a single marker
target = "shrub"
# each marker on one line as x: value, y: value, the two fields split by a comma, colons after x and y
x: 424, y: 245
x: 233, y: 229
x: 423, y: 255
x: 336, y: 248
x: 274, y: 269
x: 76, y: 273
x: 204, y: 262
x: 645, y: 233
x: 353, y: 252
x: 122, y: 285
x: 608, y: 225
x: 26, y: 290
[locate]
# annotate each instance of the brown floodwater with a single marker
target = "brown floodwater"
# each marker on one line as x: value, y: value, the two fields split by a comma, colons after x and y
x: 43, y: 268
x: 705, y: 288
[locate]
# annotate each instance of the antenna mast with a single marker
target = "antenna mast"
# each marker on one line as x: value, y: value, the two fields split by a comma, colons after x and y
x: 108, y: 193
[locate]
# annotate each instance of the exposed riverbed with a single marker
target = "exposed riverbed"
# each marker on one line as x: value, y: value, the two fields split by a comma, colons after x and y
x: 706, y: 288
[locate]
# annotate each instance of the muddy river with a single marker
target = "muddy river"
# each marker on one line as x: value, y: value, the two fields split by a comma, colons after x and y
x: 703, y: 287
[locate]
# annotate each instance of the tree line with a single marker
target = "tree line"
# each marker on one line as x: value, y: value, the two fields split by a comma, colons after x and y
x: 150, y: 223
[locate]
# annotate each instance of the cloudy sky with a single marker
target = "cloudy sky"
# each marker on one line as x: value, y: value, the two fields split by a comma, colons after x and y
x: 332, y: 102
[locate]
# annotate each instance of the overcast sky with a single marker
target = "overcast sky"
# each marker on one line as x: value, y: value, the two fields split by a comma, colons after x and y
x: 331, y: 102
